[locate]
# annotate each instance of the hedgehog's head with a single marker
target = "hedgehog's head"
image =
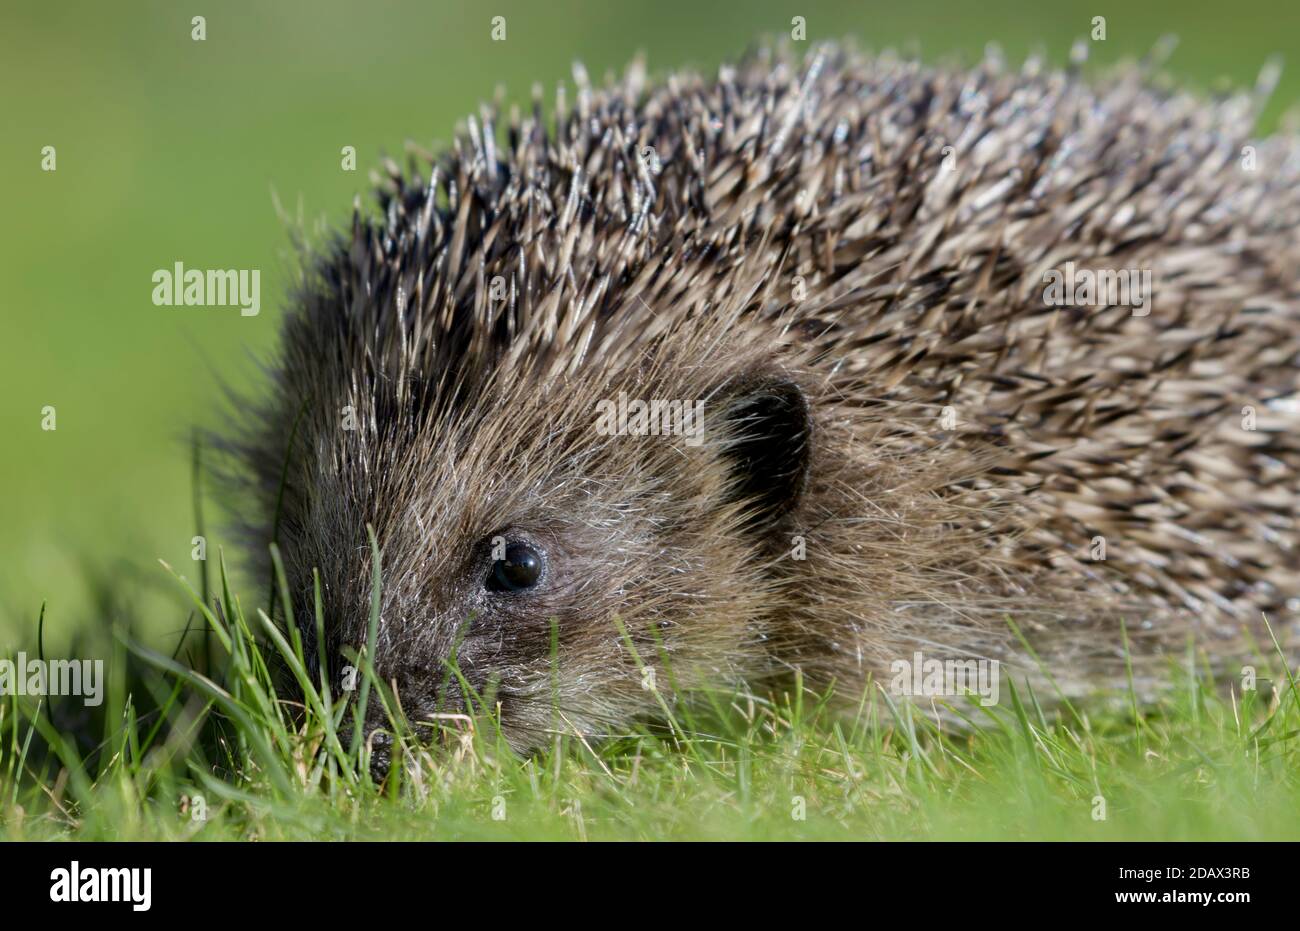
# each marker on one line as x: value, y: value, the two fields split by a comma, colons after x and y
x: 562, y: 547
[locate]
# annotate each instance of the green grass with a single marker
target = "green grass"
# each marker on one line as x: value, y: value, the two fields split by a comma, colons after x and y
x: 1202, y: 763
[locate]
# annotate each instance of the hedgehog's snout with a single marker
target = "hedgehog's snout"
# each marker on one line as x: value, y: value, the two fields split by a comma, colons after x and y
x: 380, y: 743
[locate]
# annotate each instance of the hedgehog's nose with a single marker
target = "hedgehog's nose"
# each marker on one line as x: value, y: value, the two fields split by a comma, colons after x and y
x: 376, y: 733
x: 380, y: 743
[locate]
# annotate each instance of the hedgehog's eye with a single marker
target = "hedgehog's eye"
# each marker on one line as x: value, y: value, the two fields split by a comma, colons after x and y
x: 521, y: 569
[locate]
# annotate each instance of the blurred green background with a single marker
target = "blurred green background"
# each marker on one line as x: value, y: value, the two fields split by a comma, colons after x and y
x: 173, y: 150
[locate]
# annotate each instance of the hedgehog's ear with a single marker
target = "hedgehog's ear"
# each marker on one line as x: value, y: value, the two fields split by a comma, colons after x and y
x: 767, y: 425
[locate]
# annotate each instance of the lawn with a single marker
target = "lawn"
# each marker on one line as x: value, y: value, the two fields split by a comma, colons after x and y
x: 232, y: 737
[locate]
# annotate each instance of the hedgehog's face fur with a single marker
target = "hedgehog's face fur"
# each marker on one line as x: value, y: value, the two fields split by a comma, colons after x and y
x: 536, y: 563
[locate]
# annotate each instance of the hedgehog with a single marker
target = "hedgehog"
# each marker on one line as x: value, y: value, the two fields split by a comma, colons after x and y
x: 701, y: 385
